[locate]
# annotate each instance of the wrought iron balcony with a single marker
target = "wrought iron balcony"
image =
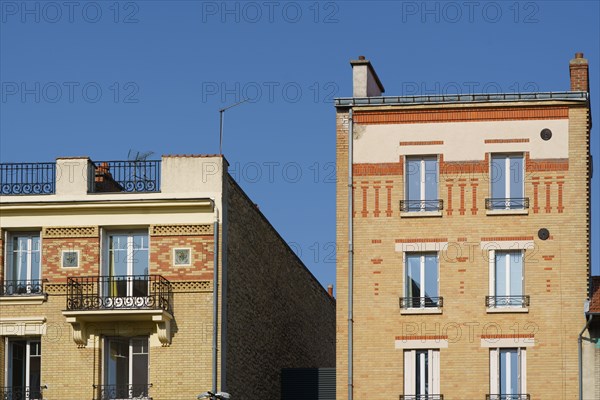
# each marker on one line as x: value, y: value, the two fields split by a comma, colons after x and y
x: 513, y: 203
x: 507, y: 397
x: 421, y: 205
x: 32, y: 287
x: 125, y: 176
x: 421, y: 302
x: 122, y: 392
x: 127, y: 292
x: 27, y: 179
x: 421, y: 397
x: 22, y: 393
x: 506, y: 301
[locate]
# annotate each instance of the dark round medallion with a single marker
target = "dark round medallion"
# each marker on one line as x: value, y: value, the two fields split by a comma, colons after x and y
x: 543, y: 234
x: 546, y: 134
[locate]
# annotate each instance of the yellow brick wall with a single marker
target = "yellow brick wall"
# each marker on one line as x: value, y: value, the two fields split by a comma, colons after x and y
x: 555, y: 278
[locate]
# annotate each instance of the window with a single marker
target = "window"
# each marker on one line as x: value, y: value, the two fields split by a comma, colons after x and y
x: 421, y: 375
x: 421, y: 185
x: 421, y: 281
x: 126, y: 266
x: 507, y: 374
x: 24, y: 367
x: 125, y: 368
x: 23, y: 270
x: 507, y: 183
x: 506, y: 279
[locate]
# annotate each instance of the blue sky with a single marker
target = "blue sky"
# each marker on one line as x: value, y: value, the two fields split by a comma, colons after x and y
x: 99, y: 78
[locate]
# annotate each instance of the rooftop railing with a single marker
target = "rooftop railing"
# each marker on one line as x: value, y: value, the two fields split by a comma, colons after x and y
x: 125, y: 176
x: 27, y: 178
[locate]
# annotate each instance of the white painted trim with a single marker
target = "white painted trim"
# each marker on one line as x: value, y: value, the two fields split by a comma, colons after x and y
x: 522, y: 211
x: 420, y: 214
x: 23, y: 300
x: 500, y: 310
x: 423, y: 310
x: 409, y: 373
x: 175, y: 249
x: 507, y: 342
x: 23, y: 326
x: 418, y: 247
x: 418, y: 344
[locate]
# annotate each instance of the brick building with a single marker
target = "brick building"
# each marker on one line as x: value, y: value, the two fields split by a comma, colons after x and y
x: 150, y: 279
x: 590, y: 345
x: 467, y: 220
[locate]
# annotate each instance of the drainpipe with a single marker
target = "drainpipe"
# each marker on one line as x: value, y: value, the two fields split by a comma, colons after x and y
x: 215, y: 300
x: 350, y: 255
x: 580, y: 351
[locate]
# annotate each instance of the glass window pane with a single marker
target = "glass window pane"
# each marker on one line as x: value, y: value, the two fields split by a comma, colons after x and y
x: 431, y: 183
x: 413, y: 278
x: 422, y: 372
x: 413, y: 186
x: 431, y: 278
x: 500, y: 274
x: 516, y: 274
x: 516, y: 181
x: 509, y: 371
x: 497, y: 177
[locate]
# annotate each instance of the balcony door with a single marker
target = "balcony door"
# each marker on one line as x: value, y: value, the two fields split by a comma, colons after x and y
x: 24, y: 268
x: 126, y: 268
x: 24, y: 370
x: 125, y: 368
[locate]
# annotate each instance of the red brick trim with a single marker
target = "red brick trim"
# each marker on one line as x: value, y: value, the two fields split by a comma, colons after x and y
x: 462, y: 209
x: 536, y: 207
x: 376, y: 212
x: 378, y: 169
x: 421, y: 240
x: 423, y: 337
x: 548, y: 207
x: 509, y: 336
x: 548, y: 258
x: 376, y: 241
x: 505, y: 238
x: 493, y: 141
x: 388, y: 211
x: 545, y: 164
x: 460, y: 115
x: 376, y: 260
x: 449, y: 208
x: 422, y: 143
x: 461, y: 239
x: 560, y: 207
x: 474, y: 208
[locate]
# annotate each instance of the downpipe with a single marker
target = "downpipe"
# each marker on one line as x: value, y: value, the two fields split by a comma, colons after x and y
x: 350, y: 256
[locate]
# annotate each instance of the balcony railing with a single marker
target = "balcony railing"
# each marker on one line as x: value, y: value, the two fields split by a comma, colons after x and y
x: 27, y: 179
x: 513, y: 203
x: 421, y: 397
x: 125, y: 176
x: 32, y: 287
x: 421, y: 205
x: 122, y: 392
x: 506, y: 301
x: 21, y: 393
x: 507, y: 397
x: 127, y: 292
x: 421, y: 302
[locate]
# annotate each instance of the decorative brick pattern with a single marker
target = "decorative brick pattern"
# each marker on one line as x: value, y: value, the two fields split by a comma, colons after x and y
x: 422, y: 143
x: 383, y: 169
x: 70, y: 231
x: 181, y: 230
x: 161, y: 257
x: 495, y: 141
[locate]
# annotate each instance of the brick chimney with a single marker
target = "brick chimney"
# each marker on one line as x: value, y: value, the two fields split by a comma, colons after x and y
x: 330, y: 290
x: 579, y: 71
x: 365, y: 82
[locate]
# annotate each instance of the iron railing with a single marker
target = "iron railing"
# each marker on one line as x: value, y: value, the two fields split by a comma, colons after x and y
x: 30, y: 287
x: 507, y: 397
x: 127, y: 292
x: 421, y: 205
x: 421, y: 302
x: 125, y: 176
x: 421, y: 397
x: 514, y: 203
x: 22, y: 393
x: 27, y: 179
x: 121, y: 392
x: 506, y: 301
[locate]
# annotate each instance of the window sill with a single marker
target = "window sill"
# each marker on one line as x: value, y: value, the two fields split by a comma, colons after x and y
x: 418, y: 214
x: 496, y: 310
x: 23, y: 300
x: 522, y: 211
x: 413, y: 311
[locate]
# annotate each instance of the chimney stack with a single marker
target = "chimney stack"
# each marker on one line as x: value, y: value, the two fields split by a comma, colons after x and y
x: 579, y: 71
x: 330, y: 290
x: 365, y: 82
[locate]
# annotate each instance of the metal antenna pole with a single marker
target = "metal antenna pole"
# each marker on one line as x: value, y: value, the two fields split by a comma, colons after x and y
x: 221, y: 117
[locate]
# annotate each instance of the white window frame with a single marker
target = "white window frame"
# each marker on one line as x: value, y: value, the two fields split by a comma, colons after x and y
x: 492, y: 277
x: 507, y: 177
x: 422, y: 255
x: 105, y: 253
x: 495, y: 369
x: 27, y: 361
x: 10, y: 252
x: 105, y: 348
x: 423, y: 176
x: 410, y: 373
